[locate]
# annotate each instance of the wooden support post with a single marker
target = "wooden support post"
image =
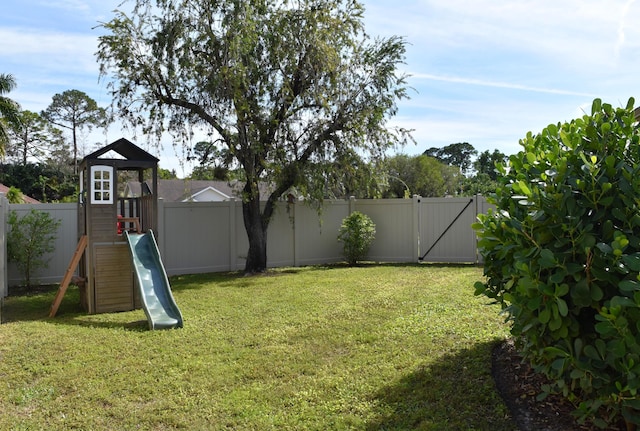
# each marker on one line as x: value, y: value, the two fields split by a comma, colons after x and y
x: 82, y: 245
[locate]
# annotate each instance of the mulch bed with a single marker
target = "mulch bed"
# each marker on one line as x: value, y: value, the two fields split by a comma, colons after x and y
x: 519, y: 387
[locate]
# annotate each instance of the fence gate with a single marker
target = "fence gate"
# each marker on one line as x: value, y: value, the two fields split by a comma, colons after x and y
x: 444, y: 229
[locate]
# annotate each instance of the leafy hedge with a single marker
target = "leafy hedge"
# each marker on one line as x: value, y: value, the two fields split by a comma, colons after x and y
x: 562, y: 256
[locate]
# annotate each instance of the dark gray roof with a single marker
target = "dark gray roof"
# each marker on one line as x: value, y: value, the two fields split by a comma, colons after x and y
x: 180, y: 190
x: 126, y: 149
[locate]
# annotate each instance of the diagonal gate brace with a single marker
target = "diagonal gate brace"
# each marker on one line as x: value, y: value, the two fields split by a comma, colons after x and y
x: 446, y: 230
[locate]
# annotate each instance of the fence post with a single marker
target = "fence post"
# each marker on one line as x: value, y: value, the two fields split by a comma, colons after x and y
x: 161, y: 235
x: 352, y: 204
x: 291, y: 204
x: 233, y: 236
x: 478, y: 206
x: 417, y: 215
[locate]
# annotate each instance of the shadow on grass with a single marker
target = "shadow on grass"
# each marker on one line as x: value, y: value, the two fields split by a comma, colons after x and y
x: 198, y: 281
x: 456, y: 392
x: 35, y: 306
x: 86, y: 320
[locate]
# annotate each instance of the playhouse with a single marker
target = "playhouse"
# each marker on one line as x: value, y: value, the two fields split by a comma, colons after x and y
x: 117, y: 257
x: 103, y: 217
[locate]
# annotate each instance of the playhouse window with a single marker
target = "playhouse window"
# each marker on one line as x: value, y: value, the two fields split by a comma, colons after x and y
x: 102, y: 184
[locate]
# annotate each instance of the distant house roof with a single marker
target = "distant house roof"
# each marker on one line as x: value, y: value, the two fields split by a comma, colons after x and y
x: 194, y: 190
x: 27, y: 200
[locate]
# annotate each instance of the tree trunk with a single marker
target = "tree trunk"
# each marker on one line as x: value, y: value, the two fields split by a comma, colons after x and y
x: 257, y: 233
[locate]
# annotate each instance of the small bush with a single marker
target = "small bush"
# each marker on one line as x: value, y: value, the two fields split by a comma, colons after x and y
x: 562, y: 257
x: 357, y: 232
x: 29, y: 239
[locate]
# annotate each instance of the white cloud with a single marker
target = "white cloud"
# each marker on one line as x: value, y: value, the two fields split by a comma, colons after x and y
x: 507, y: 85
x: 51, y: 50
x: 575, y: 35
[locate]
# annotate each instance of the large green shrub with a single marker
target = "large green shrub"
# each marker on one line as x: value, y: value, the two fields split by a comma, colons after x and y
x: 357, y: 232
x: 29, y: 239
x: 562, y: 257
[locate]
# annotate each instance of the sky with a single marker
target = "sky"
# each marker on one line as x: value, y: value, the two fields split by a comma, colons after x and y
x: 484, y: 72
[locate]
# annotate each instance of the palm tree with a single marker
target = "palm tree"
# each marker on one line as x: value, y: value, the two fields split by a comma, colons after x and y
x: 9, y: 110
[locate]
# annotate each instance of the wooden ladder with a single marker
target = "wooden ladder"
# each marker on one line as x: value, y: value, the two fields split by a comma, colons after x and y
x: 82, y: 245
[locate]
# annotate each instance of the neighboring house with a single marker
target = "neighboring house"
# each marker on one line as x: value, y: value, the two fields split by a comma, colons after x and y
x: 193, y: 190
x: 27, y: 200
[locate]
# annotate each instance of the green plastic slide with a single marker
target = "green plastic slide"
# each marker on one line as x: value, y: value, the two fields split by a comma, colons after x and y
x: 155, y: 291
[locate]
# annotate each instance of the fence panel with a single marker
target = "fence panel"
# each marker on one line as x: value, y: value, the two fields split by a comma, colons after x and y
x: 445, y: 230
x: 64, y: 246
x: 280, y: 238
x: 196, y: 237
x: 316, y: 239
x: 395, y: 235
x: 4, y: 281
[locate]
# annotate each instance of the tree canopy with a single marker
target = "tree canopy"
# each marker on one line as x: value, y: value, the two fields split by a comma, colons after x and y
x: 75, y: 110
x: 283, y: 86
x: 214, y: 161
x: 44, y: 182
x: 419, y: 175
x: 32, y: 138
x: 458, y: 154
x: 486, y: 162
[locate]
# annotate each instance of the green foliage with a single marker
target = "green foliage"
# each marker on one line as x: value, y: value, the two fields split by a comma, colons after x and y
x: 42, y: 182
x: 458, y: 154
x: 15, y: 196
x: 9, y: 110
x: 166, y: 174
x: 348, y: 174
x: 562, y: 257
x: 357, y: 232
x: 213, y: 161
x: 32, y: 138
x: 486, y: 163
x: 480, y: 183
x: 419, y: 175
x: 29, y: 239
x: 209, y: 173
x: 74, y: 110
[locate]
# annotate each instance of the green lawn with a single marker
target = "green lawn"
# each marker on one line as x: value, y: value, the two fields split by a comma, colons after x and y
x: 390, y: 347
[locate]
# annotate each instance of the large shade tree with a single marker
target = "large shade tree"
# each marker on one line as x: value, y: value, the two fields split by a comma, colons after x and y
x: 284, y: 85
x: 9, y: 110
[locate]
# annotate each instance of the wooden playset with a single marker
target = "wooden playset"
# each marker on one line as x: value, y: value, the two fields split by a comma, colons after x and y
x: 115, y: 263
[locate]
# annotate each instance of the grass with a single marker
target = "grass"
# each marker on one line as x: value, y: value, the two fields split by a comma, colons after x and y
x: 390, y: 347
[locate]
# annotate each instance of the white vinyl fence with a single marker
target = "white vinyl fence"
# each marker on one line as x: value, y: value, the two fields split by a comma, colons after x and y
x: 197, y: 237
x: 4, y: 286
